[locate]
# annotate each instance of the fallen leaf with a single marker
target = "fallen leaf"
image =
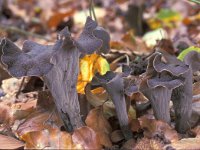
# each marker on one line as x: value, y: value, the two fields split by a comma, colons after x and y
x: 164, y: 17
x: 117, y: 136
x: 196, y: 88
x: 135, y: 125
x: 58, y: 16
x: 151, y: 37
x: 130, y: 144
x: 148, y: 144
x: 87, y: 138
x: 7, y: 142
x: 6, y: 115
x: 38, y: 121
x: 89, y: 65
x: 157, y: 128
x: 196, y: 107
x: 51, y: 138
x: 22, y: 110
x: 189, y: 143
x: 182, y: 55
x: 100, y: 125
x: 196, y: 131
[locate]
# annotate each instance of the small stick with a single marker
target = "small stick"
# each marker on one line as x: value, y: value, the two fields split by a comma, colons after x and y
x: 20, y: 87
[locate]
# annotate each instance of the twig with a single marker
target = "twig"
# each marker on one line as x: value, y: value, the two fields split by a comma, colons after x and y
x: 92, y: 11
x: 20, y: 87
x: 22, y: 32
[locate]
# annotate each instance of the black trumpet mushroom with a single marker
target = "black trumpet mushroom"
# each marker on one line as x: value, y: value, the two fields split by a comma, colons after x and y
x: 157, y: 86
x: 58, y: 65
x: 116, y: 88
x: 182, y: 96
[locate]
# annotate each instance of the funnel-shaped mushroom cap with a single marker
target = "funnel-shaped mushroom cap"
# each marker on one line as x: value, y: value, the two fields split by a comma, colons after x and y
x: 158, y: 90
x: 130, y: 86
x: 156, y: 64
x: 161, y: 78
x: 32, y: 60
x: 165, y: 79
x: 93, y: 38
x: 193, y: 60
x: 114, y: 85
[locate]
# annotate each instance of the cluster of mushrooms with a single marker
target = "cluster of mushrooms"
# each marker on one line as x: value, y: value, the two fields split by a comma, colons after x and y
x: 58, y: 66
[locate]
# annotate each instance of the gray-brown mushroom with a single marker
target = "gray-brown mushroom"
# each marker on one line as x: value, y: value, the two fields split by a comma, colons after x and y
x: 58, y: 65
x: 115, y: 87
x: 157, y: 86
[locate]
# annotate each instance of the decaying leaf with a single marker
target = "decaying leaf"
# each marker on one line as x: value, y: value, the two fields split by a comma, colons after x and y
x: 148, y: 144
x: 22, y: 110
x: 38, y: 121
x: 130, y: 144
x: 87, y: 138
x: 196, y: 131
x: 100, y: 125
x: 157, y: 128
x: 89, y: 65
x: 164, y: 17
x: 6, y: 114
x: 189, y: 143
x: 7, y: 142
x: 51, y: 138
x: 117, y: 136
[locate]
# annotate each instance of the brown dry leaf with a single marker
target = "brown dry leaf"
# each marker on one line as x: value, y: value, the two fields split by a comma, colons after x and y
x: 89, y: 65
x: 6, y: 115
x: 22, y: 110
x: 36, y: 139
x: 196, y: 131
x: 51, y: 138
x: 117, y: 136
x: 130, y: 144
x: 100, y: 125
x: 58, y: 17
x: 7, y: 142
x: 87, y: 138
x: 11, y: 112
x: 189, y: 143
x: 196, y: 88
x: 38, y: 121
x: 135, y: 125
x: 158, y: 128
x: 148, y: 144
x: 121, y: 1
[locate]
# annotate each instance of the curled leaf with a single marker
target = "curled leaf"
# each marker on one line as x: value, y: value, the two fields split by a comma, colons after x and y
x: 89, y: 65
x: 87, y: 138
x: 93, y: 38
x: 182, y: 55
x: 100, y: 125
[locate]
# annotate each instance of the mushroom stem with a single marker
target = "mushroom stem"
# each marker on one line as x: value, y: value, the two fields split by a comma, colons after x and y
x: 115, y: 89
x: 61, y: 80
x: 182, y: 101
x: 159, y: 98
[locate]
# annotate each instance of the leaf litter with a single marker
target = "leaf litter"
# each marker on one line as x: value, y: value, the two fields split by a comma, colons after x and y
x: 140, y: 86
